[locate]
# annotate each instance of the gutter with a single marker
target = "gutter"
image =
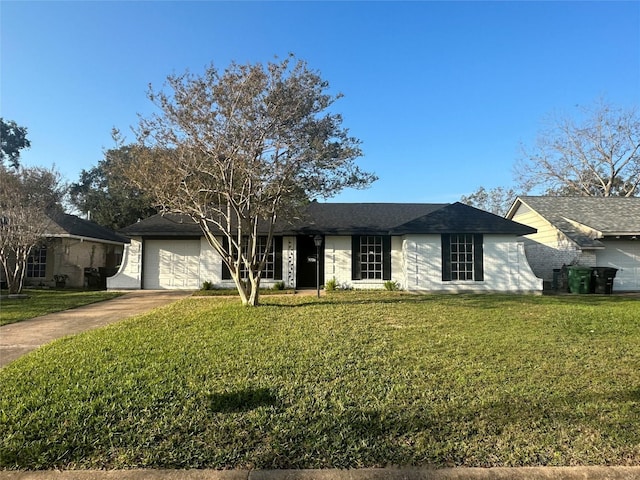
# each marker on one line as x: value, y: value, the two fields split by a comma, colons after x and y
x: 84, y: 239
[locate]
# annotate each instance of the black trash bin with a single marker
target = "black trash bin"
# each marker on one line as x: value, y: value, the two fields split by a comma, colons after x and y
x: 602, y: 281
x: 91, y: 277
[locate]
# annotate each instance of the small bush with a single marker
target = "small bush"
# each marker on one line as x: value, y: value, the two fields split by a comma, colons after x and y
x: 331, y: 285
x: 207, y: 286
x: 391, y: 285
x: 278, y: 286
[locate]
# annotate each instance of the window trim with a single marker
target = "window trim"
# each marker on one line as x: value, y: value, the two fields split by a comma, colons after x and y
x: 41, y: 266
x: 356, y: 258
x: 276, y: 251
x: 478, y: 258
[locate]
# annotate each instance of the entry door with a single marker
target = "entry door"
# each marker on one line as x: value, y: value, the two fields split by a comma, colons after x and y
x: 307, y: 261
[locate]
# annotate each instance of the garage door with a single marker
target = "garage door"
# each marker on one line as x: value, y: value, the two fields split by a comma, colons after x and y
x: 171, y: 264
x: 625, y: 256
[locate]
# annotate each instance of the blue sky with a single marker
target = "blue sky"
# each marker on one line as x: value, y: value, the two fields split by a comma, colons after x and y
x: 441, y: 94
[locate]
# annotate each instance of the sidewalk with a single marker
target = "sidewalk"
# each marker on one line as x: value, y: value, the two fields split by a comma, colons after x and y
x: 17, y: 339
x: 524, y: 473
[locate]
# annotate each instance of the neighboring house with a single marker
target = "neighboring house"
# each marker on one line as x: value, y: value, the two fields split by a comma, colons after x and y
x: 423, y: 247
x: 588, y: 231
x: 79, y: 251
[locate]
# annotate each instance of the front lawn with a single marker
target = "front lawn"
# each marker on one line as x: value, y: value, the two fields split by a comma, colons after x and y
x: 351, y: 380
x: 41, y: 302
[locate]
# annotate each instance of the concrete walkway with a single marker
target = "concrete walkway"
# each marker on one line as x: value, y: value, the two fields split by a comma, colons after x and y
x: 17, y: 339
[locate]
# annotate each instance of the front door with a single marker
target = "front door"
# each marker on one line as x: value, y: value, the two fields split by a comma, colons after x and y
x: 307, y: 262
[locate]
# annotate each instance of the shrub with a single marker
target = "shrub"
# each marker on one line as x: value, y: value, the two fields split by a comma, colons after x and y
x: 207, y: 285
x: 331, y: 285
x: 278, y: 286
x: 391, y: 285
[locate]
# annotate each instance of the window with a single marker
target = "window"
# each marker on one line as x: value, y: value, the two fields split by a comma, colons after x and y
x: 462, y: 257
x: 272, y: 269
x: 261, y: 248
x: 371, y: 256
x: 37, y: 263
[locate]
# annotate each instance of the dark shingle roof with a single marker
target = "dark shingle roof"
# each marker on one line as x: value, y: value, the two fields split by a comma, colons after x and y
x: 461, y: 218
x: 167, y: 225
x: 64, y: 224
x: 357, y: 219
x: 575, y: 216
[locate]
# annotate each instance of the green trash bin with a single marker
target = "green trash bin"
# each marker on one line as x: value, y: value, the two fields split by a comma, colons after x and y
x: 579, y: 279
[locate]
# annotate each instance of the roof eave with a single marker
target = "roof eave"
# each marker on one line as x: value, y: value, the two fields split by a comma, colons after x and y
x: 85, y: 239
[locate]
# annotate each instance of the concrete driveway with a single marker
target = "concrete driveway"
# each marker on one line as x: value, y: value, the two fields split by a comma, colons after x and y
x: 17, y: 339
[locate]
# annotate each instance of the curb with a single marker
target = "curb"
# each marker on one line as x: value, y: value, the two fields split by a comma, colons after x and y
x: 496, y: 473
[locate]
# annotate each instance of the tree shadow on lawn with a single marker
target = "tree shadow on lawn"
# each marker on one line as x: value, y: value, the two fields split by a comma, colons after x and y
x: 345, y: 300
x: 242, y: 400
x: 485, y: 301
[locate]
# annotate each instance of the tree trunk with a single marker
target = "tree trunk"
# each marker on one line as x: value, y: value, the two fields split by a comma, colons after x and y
x: 248, y: 290
x: 15, y: 273
x: 254, y: 285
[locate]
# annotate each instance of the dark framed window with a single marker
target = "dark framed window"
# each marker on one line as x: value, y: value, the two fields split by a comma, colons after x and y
x: 371, y: 257
x: 37, y: 262
x: 272, y: 269
x: 462, y: 257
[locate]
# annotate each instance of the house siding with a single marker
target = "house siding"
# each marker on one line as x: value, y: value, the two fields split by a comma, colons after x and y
x: 549, y: 248
x: 129, y: 275
x: 337, y: 258
x: 209, y: 268
x: 416, y: 264
x: 70, y: 256
x: 505, y: 266
x: 624, y: 255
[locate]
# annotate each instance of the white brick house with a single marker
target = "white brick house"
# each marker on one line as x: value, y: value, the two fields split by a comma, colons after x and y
x: 422, y: 247
x: 587, y: 231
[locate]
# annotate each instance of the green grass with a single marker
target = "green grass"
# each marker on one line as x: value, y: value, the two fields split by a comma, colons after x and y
x: 41, y: 302
x: 226, y: 292
x: 351, y: 380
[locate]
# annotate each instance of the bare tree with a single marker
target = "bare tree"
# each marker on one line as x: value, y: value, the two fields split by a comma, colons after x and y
x: 238, y: 149
x: 496, y: 200
x: 27, y: 197
x: 600, y: 156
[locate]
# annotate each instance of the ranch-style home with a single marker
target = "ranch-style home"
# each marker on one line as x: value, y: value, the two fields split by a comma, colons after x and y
x: 585, y: 231
x: 422, y: 247
x: 74, y: 253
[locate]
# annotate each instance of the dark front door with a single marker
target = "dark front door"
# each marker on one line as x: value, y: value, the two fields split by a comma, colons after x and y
x: 306, y: 265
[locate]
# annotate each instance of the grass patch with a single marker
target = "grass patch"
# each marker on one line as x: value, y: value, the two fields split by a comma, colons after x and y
x: 353, y: 379
x: 232, y: 292
x: 41, y: 302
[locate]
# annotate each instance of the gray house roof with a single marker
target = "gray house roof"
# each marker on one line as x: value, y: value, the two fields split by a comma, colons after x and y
x: 586, y: 219
x: 461, y: 218
x: 65, y: 225
x: 356, y: 219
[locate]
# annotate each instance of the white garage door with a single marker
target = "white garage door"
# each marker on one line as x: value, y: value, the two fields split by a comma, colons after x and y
x: 171, y: 264
x: 625, y: 256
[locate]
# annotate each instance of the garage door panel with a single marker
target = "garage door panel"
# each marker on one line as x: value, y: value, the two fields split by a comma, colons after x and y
x: 171, y: 264
x: 625, y: 256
